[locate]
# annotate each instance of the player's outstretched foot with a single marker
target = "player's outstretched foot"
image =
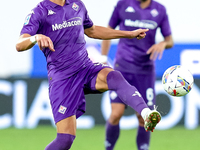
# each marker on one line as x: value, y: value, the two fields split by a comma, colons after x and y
x: 151, y: 119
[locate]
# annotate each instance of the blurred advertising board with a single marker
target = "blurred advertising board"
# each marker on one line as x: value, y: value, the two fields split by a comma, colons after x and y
x: 24, y: 103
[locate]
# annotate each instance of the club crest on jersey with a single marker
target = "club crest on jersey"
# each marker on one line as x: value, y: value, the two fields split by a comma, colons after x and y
x: 75, y: 6
x: 154, y: 13
x: 62, y: 109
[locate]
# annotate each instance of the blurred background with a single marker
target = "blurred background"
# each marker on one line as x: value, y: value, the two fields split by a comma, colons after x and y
x: 24, y: 102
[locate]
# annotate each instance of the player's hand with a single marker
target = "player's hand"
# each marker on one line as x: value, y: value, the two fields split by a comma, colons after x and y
x: 156, y: 50
x: 44, y: 41
x: 139, y: 33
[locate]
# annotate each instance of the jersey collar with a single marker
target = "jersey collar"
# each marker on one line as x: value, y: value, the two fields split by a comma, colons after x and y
x: 54, y: 5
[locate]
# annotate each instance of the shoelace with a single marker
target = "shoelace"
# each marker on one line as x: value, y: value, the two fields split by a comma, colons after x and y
x: 155, y: 107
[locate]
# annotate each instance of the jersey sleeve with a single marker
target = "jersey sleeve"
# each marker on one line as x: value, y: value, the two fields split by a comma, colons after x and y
x: 115, y: 17
x: 87, y: 22
x: 165, y: 26
x: 32, y: 22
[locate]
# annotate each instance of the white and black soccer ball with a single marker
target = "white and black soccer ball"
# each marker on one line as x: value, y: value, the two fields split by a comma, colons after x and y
x: 177, y: 80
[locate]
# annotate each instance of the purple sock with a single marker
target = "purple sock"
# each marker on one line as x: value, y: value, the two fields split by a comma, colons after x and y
x: 143, y: 138
x: 112, y: 134
x: 62, y: 142
x: 127, y: 93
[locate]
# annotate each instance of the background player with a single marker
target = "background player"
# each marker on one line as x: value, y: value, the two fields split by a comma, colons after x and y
x: 135, y: 59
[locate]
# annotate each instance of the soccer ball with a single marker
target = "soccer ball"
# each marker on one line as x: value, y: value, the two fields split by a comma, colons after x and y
x: 177, y: 81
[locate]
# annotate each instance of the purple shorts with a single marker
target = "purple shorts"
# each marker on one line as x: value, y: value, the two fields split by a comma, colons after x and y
x: 67, y: 97
x: 145, y: 85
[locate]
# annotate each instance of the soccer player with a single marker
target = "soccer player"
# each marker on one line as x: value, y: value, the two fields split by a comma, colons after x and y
x: 58, y: 27
x: 135, y: 60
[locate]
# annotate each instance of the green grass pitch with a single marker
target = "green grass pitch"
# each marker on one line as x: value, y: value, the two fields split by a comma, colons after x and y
x: 177, y: 138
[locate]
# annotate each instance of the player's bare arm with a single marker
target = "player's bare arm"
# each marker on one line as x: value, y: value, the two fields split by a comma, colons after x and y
x: 156, y: 50
x: 105, y: 46
x: 26, y: 41
x: 104, y: 33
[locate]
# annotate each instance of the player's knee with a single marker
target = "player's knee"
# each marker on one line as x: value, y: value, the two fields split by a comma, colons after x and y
x: 116, y: 75
x: 115, y: 118
x: 114, y: 79
x: 62, y: 142
x: 65, y: 141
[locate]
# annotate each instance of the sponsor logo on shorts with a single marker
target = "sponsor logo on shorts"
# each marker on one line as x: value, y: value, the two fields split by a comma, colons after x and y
x: 62, y: 109
x: 113, y: 95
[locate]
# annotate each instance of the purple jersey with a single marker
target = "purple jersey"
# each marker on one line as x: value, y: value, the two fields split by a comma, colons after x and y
x: 65, y: 27
x: 131, y: 54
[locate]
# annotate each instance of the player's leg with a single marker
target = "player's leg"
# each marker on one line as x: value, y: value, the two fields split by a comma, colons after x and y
x: 67, y: 104
x: 143, y: 137
x: 66, y: 133
x: 148, y: 93
x: 107, y: 79
x: 112, y: 125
